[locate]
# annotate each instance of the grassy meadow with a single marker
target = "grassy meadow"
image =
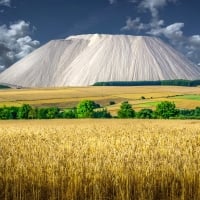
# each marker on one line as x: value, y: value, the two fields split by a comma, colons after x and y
x: 183, y: 97
x: 100, y: 160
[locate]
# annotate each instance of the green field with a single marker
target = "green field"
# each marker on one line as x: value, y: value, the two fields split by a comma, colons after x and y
x: 189, y: 97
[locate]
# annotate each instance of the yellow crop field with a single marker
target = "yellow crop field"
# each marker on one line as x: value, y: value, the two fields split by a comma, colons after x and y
x: 100, y: 160
x: 70, y: 96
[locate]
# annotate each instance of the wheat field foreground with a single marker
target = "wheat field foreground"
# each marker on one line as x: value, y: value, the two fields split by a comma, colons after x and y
x: 100, y: 160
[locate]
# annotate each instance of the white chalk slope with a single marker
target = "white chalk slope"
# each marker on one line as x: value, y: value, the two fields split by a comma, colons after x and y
x: 85, y: 59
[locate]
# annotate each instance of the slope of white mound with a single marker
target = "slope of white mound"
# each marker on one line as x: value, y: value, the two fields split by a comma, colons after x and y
x: 85, y: 59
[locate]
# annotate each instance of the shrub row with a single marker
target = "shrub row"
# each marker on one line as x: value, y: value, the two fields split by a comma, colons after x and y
x: 89, y: 109
x: 164, y: 110
x: 85, y: 109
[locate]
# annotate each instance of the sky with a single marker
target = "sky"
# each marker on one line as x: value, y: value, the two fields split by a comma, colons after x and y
x: 26, y: 25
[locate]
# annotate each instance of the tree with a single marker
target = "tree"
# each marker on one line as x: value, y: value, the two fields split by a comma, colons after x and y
x: 101, y: 114
x: 186, y: 113
x: 23, y: 112
x: 4, y: 113
x: 197, y: 111
x: 166, y: 109
x: 9, y: 112
x: 42, y: 113
x: 126, y: 111
x: 32, y: 114
x: 13, y: 112
x: 145, y: 114
x: 69, y: 113
x: 52, y: 113
x: 85, y: 108
x: 48, y: 113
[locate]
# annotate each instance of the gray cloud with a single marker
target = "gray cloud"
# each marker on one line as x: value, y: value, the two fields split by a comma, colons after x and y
x: 156, y: 27
x: 192, y: 47
x: 154, y: 5
x: 135, y: 24
x: 15, y: 43
x: 195, y: 40
x: 5, y: 2
x: 173, y: 31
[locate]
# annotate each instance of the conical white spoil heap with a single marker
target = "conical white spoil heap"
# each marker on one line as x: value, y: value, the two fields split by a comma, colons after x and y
x: 85, y: 59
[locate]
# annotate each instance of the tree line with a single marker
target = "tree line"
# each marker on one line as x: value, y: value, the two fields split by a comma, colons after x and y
x: 4, y: 87
x: 90, y: 109
x: 178, y: 82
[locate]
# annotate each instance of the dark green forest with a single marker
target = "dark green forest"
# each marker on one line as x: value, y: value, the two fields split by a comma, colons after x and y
x: 187, y: 83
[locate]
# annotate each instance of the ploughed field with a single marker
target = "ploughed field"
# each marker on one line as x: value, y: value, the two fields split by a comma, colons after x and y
x: 100, y: 159
x: 140, y: 96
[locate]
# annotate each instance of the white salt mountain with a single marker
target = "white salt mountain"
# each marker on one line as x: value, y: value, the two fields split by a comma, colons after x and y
x: 85, y: 59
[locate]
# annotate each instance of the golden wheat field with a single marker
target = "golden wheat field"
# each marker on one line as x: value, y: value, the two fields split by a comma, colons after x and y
x: 70, y: 96
x: 100, y: 160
